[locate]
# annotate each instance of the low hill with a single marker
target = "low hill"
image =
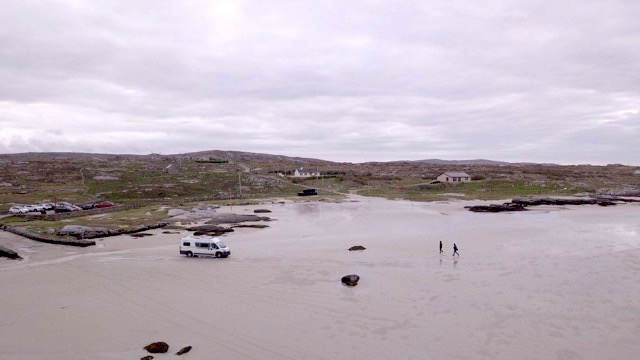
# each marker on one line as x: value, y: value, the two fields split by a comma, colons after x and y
x: 126, y: 178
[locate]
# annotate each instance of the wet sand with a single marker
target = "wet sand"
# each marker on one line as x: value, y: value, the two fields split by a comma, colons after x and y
x: 551, y: 283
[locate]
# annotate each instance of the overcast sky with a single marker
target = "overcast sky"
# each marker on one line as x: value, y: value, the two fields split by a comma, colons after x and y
x: 355, y: 80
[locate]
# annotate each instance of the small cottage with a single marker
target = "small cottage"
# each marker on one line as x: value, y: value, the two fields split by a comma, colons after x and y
x: 302, y: 173
x: 454, y: 177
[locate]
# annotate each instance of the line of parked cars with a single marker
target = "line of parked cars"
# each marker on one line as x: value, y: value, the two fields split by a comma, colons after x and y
x: 58, y: 207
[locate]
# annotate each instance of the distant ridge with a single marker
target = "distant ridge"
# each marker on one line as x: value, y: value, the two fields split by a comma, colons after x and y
x: 462, y: 162
x: 218, y: 154
x: 232, y: 155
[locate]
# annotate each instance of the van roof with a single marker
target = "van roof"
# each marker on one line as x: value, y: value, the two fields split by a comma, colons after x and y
x: 201, y: 238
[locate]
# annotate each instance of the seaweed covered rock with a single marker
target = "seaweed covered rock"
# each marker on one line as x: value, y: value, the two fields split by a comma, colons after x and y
x: 157, y: 347
x: 350, y: 280
x: 184, y: 350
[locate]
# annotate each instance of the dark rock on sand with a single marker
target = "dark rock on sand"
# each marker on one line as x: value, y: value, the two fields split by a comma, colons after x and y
x: 83, y: 231
x: 521, y: 204
x: 184, y: 350
x: 9, y: 253
x: 254, y: 226
x: 496, y: 207
x: 157, y: 347
x: 148, y: 357
x: 535, y: 201
x: 218, y: 219
x: 357, y: 247
x: 350, y: 280
x: 207, y: 228
x: 258, y: 211
x: 213, y: 230
x: 138, y: 235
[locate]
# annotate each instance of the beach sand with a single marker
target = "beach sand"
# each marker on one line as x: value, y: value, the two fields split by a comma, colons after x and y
x: 550, y: 283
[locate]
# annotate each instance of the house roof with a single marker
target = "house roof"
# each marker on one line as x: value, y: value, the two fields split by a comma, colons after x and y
x: 456, y: 174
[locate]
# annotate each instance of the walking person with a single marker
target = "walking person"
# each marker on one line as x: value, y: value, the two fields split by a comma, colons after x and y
x: 455, y: 250
x: 441, y: 247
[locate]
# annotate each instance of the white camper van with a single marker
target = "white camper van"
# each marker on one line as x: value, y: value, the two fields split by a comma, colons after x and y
x: 203, y: 245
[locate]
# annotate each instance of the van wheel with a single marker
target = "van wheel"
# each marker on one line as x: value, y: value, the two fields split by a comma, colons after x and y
x: 189, y: 254
x: 218, y: 255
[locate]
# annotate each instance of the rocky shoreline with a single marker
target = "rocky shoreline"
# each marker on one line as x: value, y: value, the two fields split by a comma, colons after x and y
x: 82, y: 234
x: 40, y: 238
x: 521, y: 204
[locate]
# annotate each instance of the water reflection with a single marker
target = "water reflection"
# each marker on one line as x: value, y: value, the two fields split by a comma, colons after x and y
x: 308, y: 209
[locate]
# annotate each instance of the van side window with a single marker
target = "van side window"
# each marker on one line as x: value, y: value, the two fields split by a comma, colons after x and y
x: 186, y: 244
x: 202, y: 245
x: 214, y: 246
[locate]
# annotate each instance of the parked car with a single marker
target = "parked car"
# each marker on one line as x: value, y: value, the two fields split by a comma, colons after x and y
x: 15, y: 210
x: 47, y: 206
x: 61, y: 208
x: 33, y: 208
x: 87, y: 206
x: 76, y: 208
x: 104, y: 204
x: 308, y: 192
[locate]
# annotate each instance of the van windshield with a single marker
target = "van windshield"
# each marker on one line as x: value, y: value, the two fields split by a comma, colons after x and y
x: 221, y: 244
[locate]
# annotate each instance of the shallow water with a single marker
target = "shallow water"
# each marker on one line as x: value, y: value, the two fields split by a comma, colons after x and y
x: 551, y: 283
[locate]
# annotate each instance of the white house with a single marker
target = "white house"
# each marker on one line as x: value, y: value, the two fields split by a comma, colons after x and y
x: 637, y: 172
x: 453, y: 177
x: 302, y: 173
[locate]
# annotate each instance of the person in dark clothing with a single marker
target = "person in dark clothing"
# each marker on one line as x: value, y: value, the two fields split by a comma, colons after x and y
x: 440, y: 247
x: 455, y: 250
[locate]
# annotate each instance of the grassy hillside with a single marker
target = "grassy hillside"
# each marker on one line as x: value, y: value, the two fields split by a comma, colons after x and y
x: 30, y: 178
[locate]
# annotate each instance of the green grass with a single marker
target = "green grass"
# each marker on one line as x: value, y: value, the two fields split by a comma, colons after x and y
x: 11, y: 220
x: 143, y: 179
x: 476, y: 190
x: 113, y: 220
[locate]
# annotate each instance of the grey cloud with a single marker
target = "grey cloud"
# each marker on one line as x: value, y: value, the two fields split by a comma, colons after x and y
x: 367, y: 80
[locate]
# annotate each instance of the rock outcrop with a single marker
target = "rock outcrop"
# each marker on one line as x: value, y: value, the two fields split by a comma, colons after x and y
x: 218, y: 219
x: 496, y: 207
x: 521, y: 204
x: 139, y: 235
x: 535, y: 201
x: 82, y: 232
x: 212, y: 230
x: 40, y: 238
x: 87, y: 232
x: 259, y: 211
x: 357, y: 247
